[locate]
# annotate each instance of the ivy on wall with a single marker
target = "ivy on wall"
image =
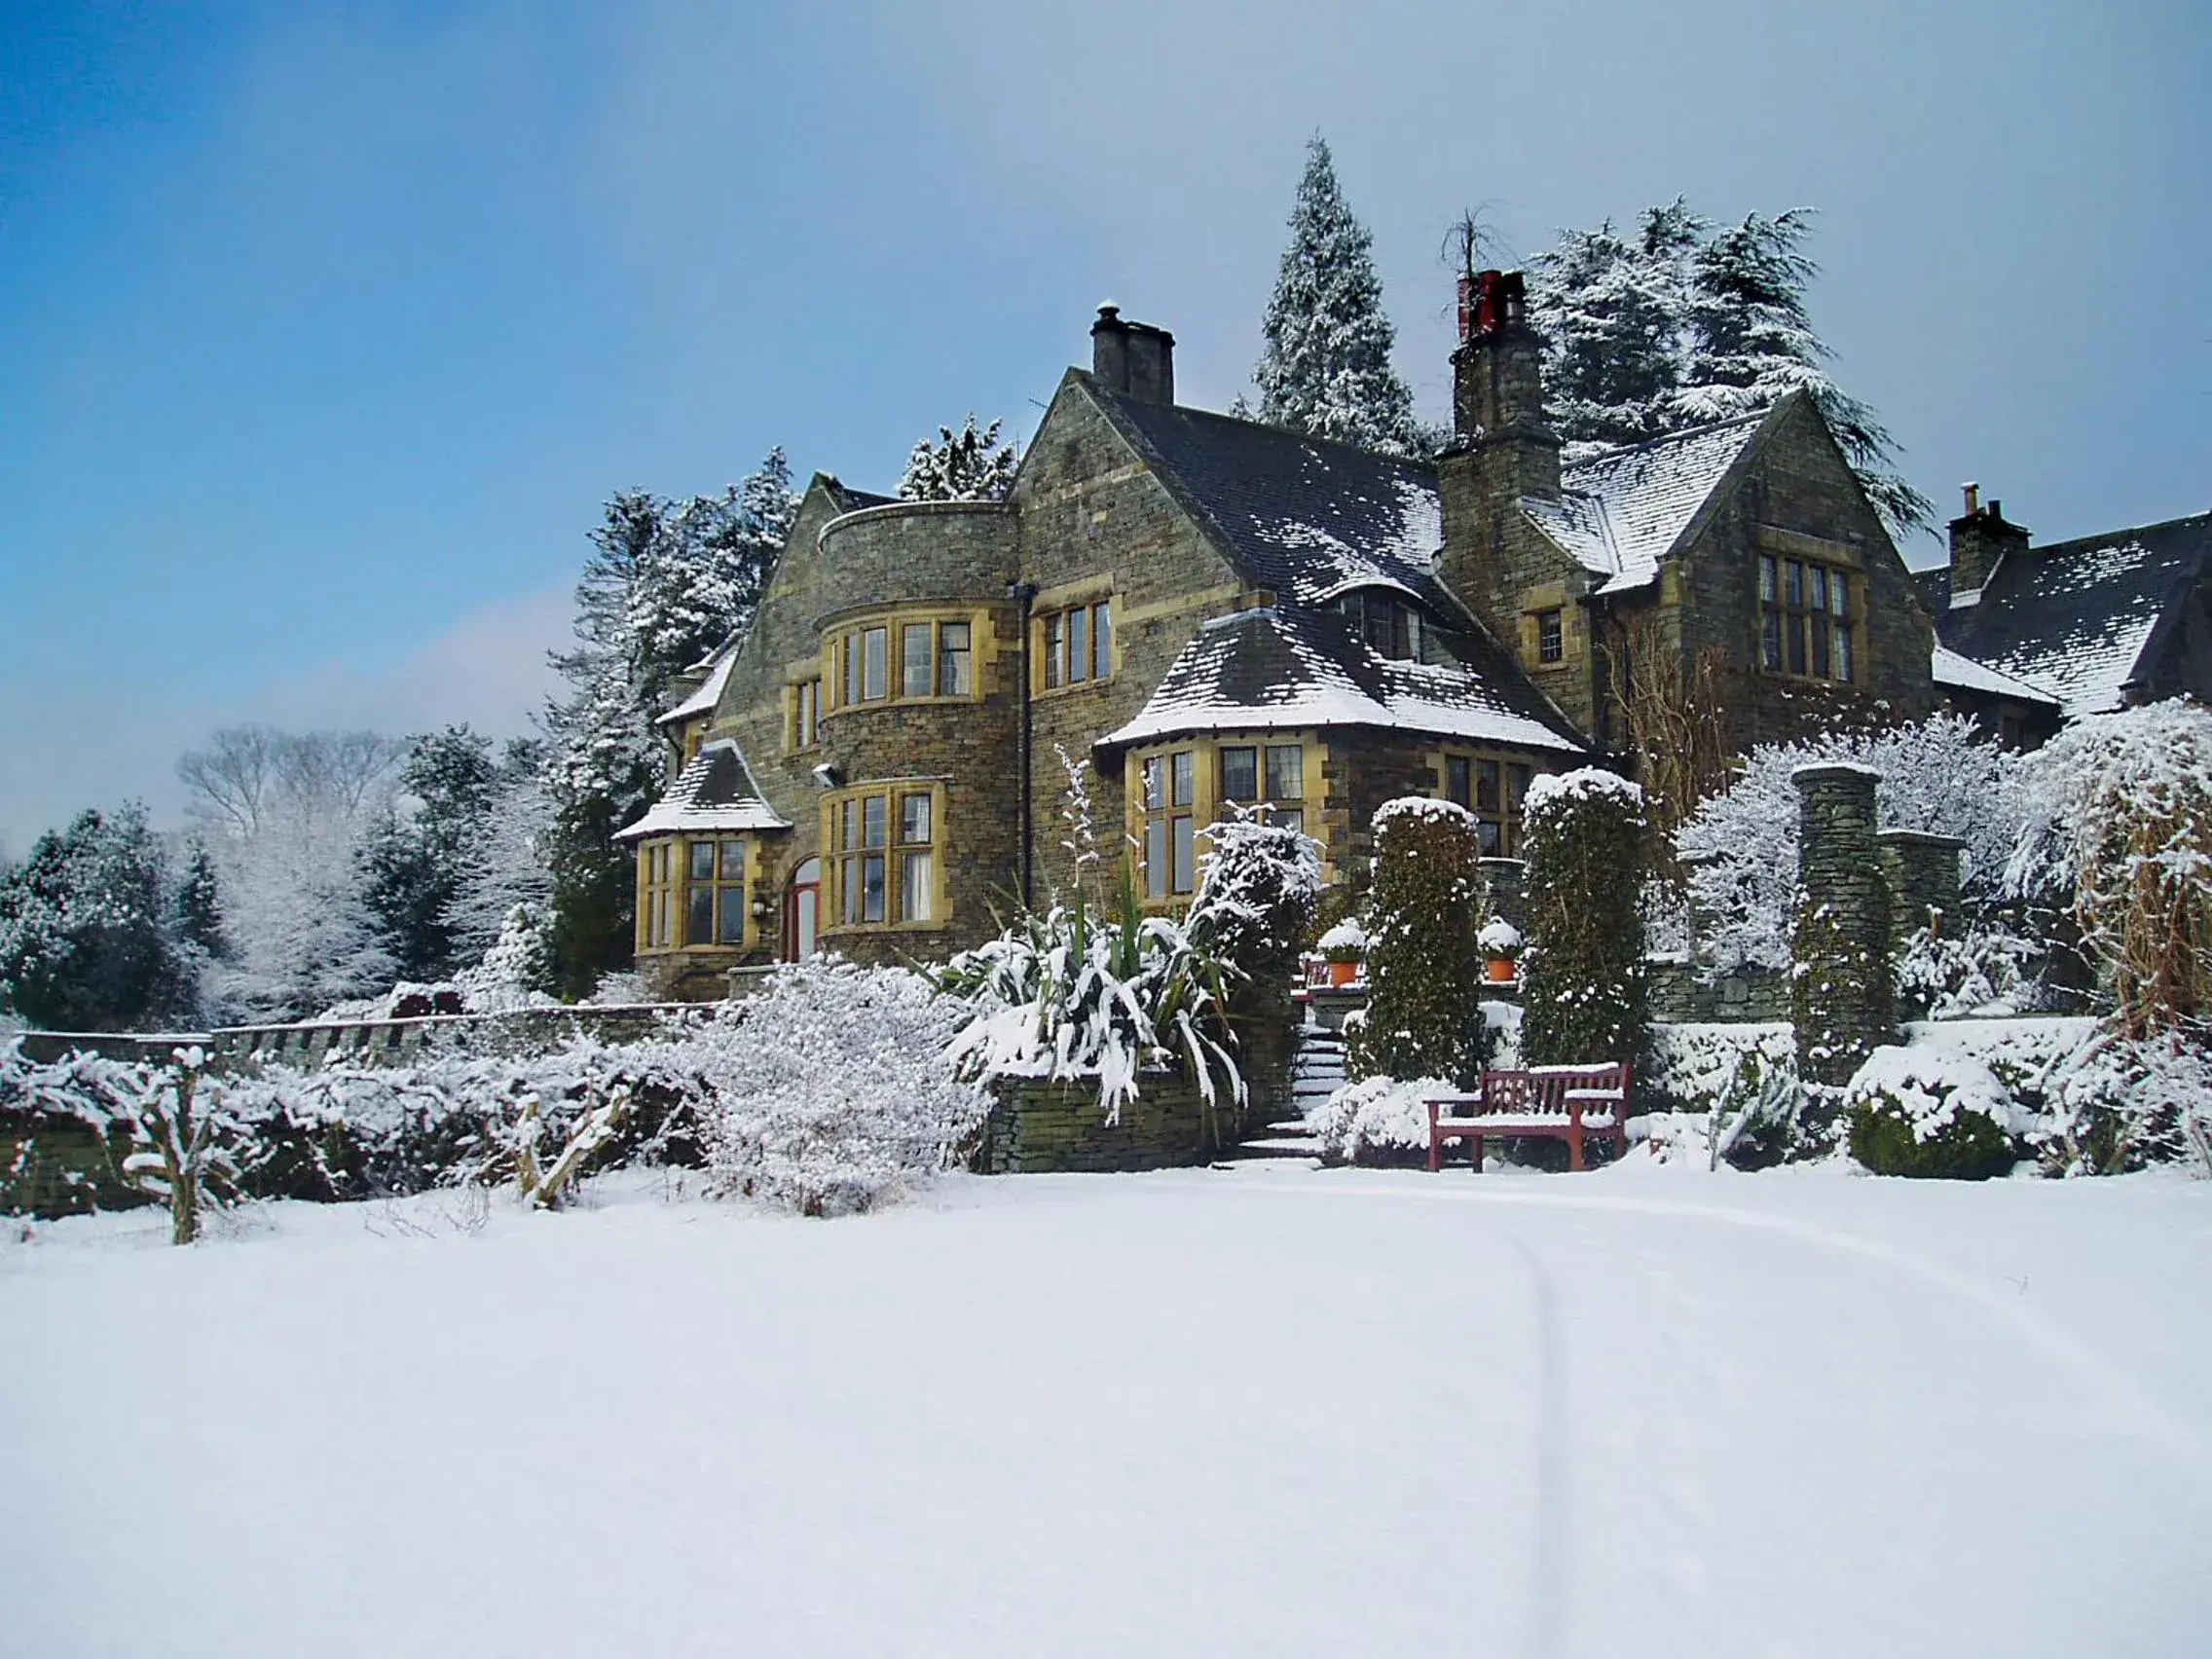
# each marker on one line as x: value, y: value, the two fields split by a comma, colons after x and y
x: 1582, y: 977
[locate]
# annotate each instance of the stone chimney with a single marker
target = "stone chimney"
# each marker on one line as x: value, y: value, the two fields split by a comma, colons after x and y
x: 1980, y: 536
x: 1497, y: 385
x: 1133, y: 358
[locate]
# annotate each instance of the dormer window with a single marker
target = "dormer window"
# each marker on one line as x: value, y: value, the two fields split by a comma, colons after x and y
x: 1391, y: 627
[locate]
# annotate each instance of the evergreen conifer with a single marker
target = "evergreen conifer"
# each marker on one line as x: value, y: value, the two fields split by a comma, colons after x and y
x: 1325, y: 366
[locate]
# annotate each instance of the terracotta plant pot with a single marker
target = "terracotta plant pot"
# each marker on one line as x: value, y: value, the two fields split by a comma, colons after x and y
x: 1342, y: 973
x: 1500, y: 969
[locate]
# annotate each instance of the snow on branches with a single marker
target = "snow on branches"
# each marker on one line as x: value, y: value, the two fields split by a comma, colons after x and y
x: 1741, y: 846
x: 972, y: 465
x: 2116, y: 819
x: 1325, y: 366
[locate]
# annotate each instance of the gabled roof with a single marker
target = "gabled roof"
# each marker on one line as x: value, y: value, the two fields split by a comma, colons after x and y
x: 714, y: 793
x: 1289, y: 667
x: 1301, y: 517
x: 2077, y: 618
x: 702, y: 701
x: 1619, y: 514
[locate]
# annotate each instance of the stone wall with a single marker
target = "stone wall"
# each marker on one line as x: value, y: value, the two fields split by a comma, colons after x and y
x: 1921, y: 873
x: 1679, y: 994
x: 1054, y: 1127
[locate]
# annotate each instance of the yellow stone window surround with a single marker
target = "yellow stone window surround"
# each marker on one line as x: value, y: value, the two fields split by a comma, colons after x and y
x: 905, y: 655
x: 1176, y: 788
x: 1074, y: 638
x: 885, y: 853
x: 695, y: 893
x: 1490, y: 784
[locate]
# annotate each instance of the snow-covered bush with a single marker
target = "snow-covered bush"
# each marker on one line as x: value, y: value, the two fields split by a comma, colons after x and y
x: 1740, y: 1080
x: 1258, y: 886
x: 1377, y: 1116
x: 2117, y: 1103
x: 828, y: 1089
x: 1425, y: 974
x: 168, y: 1139
x: 1931, y: 1112
x: 1740, y: 847
x: 2117, y: 822
x: 1983, y: 970
x: 1582, y: 977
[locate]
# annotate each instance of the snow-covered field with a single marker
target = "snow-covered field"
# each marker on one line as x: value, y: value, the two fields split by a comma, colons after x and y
x: 1266, y: 1412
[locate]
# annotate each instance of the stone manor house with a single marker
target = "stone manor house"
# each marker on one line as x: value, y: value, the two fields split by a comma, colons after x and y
x: 1197, y: 613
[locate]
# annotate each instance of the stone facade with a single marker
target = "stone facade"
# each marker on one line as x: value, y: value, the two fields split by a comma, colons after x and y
x: 1098, y: 518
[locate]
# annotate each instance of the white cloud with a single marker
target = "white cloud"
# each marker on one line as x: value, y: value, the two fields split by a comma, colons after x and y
x: 114, y: 736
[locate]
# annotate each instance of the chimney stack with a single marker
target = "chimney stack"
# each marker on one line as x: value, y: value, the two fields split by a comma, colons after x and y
x: 1980, y: 540
x: 1497, y: 402
x: 1133, y: 358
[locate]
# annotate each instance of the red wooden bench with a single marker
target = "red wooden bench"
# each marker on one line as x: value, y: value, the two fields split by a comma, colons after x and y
x: 1574, y: 1104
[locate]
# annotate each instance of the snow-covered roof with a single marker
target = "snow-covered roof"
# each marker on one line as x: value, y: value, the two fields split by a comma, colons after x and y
x: 1288, y: 667
x: 1620, y: 514
x: 1301, y: 517
x: 1948, y: 668
x: 2076, y: 617
x: 715, y: 792
x: 710, y: 692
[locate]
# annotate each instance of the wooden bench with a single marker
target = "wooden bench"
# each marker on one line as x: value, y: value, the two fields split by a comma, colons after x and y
x: 1574, y: 1104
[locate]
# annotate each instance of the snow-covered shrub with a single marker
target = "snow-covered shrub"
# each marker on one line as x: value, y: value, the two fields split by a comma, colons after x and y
x: 168, y: 1137
x: 515, y: 971
x: 1425, y: 974
x: 828, y: 1089
x: 1983, y: 970
x: 2118, y: 1104
x: 1257, y: 890
x: 2116, y: 818
x: 1582, y: 977
x: 1377, y: 1116
x: 1740, y: 847
x: 1931, y: 1112
x: 1741, y: 1082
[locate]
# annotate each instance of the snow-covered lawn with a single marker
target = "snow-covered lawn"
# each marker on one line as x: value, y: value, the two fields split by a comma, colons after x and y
x: 1266, y: 1412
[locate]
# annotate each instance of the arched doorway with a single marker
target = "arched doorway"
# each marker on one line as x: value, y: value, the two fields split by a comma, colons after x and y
x: 803, y: 910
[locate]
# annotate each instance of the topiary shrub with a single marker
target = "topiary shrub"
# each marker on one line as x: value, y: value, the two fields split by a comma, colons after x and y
x: 1582, y: 973
x: 1931, y: 1115
x: 1424, y: 971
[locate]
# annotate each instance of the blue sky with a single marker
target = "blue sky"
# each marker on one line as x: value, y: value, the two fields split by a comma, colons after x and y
x: 324, y: 329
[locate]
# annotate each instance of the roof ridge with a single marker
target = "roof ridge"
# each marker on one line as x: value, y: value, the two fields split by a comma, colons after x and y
x: 1291, y: 432
x: 1623, y: 451
x: 2102, y: 537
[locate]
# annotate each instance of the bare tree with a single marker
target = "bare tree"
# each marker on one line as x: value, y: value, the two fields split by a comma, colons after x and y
x: 231, y: 779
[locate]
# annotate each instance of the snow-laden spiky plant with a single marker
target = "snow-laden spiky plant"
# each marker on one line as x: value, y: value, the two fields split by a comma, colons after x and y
x: 1325, y: 365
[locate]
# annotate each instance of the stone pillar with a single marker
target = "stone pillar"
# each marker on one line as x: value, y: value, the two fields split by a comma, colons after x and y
x: 1841, y: 997
x: 1922, y: 872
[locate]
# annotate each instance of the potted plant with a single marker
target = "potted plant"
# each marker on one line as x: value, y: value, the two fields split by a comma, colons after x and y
x: 1344, y: 948
x: 1500, y: 943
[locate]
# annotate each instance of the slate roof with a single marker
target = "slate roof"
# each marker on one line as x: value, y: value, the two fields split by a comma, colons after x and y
x: 1289, y: 667
x: 714, y: 793
x: 1305, y: 518
x: 1619, y: 514
x: 702, y: 701
x: 1948, y: 668
x: 2077, y: 618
